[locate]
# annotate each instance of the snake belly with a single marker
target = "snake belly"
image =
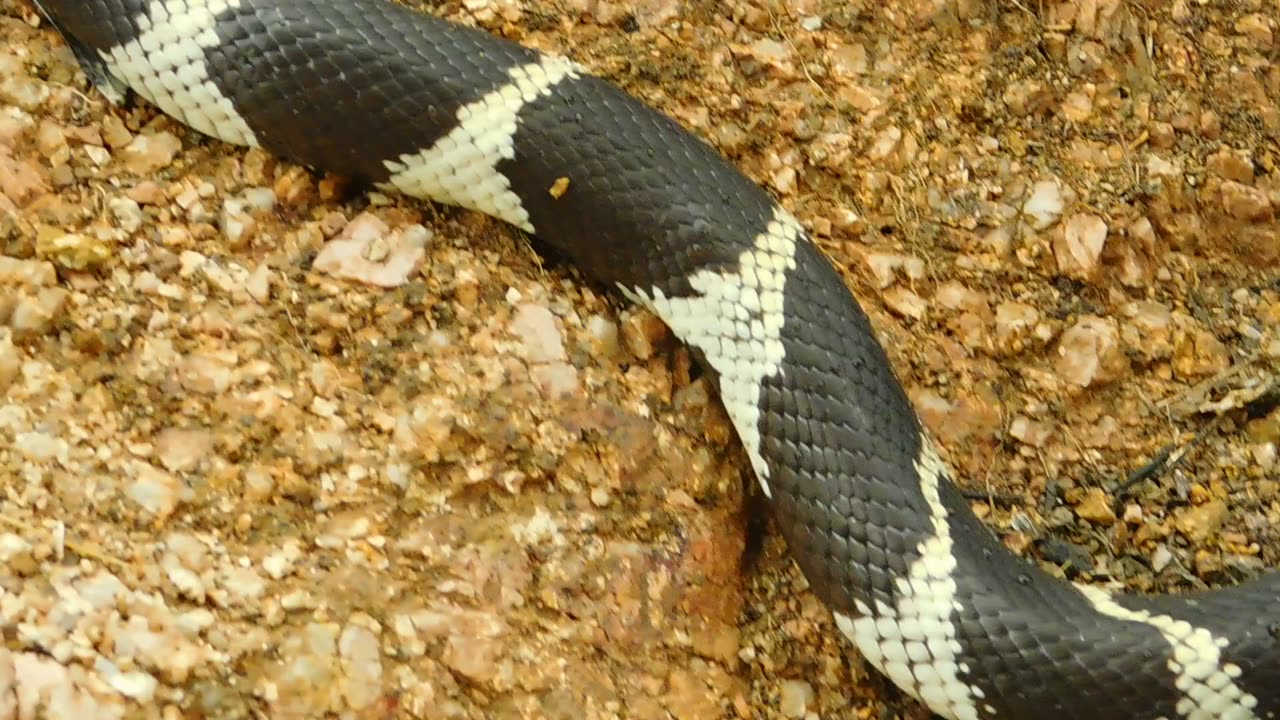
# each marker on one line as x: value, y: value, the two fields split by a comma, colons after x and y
x: 415, y: 104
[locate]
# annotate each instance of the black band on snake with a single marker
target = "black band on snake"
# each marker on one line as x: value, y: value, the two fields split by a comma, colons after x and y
x: 425, y: 107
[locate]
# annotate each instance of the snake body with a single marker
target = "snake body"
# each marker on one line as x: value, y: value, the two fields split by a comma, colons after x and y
x: 415, y: 104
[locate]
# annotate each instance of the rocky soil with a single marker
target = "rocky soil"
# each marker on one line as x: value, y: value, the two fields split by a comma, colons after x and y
x: 271, y: 446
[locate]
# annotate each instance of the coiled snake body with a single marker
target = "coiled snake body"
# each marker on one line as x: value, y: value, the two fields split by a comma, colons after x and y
x: 413, y: 103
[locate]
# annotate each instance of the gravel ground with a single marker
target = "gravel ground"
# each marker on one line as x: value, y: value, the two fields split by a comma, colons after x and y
x: 274, y: 447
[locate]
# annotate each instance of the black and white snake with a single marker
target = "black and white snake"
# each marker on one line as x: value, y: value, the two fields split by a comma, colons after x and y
x: 435, y: 110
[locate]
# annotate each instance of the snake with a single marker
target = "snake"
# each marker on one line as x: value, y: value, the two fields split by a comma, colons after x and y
x: 412, y: 103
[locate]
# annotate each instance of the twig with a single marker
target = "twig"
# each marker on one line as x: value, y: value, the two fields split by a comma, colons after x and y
x: 993, y: 498
x: 83, y: 550
x: 1169, y: 457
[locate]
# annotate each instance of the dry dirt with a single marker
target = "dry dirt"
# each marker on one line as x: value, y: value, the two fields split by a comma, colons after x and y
x: 236, y: 481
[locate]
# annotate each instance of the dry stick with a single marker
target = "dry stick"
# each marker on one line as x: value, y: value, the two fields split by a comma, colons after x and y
x: 1173, y: 455
x: 87, y: 551
x: 991, y: 497
x: 1169, y: 457
x: 1180, y: 403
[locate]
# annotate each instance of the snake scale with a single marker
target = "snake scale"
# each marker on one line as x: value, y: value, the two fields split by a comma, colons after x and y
x: 412, y: 103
